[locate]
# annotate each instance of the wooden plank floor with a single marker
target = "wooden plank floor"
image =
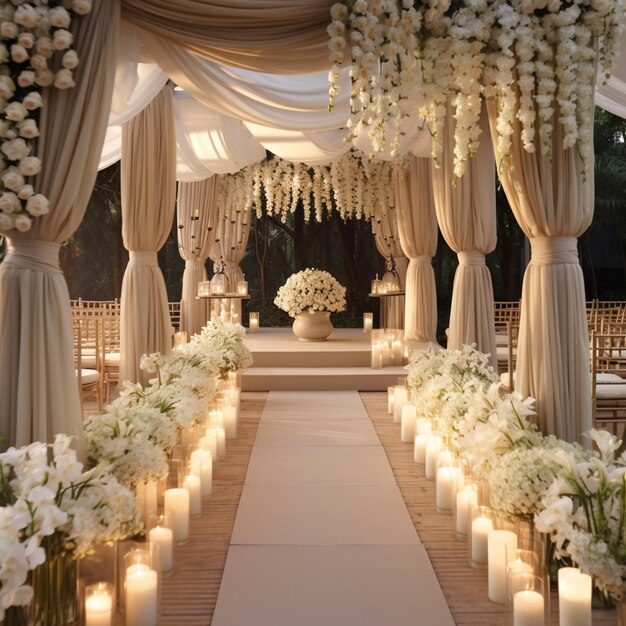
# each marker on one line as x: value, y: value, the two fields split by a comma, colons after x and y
x: 464, y: 588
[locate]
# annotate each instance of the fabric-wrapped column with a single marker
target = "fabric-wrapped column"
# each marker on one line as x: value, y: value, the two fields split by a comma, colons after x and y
x: 417, y: 226
x: 466, y: 212
x: 148, y: 195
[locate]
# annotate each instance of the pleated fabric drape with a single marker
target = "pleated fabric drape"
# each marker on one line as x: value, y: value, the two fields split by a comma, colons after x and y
x: 231, y: 239
x: 387, y: 238
x: 198, y: 212
x: 552, y: 198
x: 278, y: 36
x: 148, y: 182
x: 466, y: 212
x: 417, y: 226
x: 38, y: 386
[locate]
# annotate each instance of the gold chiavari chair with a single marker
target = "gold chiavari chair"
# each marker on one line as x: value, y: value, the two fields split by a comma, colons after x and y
x: 505, y: 313
x: 89, y: 378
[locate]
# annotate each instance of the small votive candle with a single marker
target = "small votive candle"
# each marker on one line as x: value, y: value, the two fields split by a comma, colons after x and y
x: 408, y: 420
x: 368, y: 322
x: 161, y: 533
x: 255, y: 322
x: 177, y: 501
x: 480, y: 527
x: 497, y: 541
x: 574, y: 597
x: 99, y: 605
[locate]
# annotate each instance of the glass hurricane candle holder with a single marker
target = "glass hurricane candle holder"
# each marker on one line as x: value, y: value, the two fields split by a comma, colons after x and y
x: 466, y: 499
x: 528, y: 604
x: 242, y: 288
x: 160, y: 531
x: 99, y: 604
x: 254, y: 322
x: 368, y: 322
x: 449, y: 481
x: 481, y: 524
x: 141, y: 588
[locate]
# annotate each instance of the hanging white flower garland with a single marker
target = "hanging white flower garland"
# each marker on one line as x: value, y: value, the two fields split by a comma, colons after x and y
x: 31, y: 35
x: 428, y: 53
x: 353, y: 185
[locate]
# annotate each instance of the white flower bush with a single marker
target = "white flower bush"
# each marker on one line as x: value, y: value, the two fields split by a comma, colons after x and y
x: 311, y: 290
x: 32, y: 34
x: 47, y: 507
x: 534, y: 58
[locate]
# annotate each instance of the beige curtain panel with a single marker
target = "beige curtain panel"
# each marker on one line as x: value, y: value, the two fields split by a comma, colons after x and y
x: 466, y: 212
x: 276, y: 36
x: 38, y: 386
x: 417, y: 227
x: 553, y: 201
x: 231, y: 239
x: 387, y: 238
x: 198, y: 211
x: 148, y: 182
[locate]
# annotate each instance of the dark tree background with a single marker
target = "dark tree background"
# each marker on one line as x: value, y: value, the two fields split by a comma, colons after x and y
x: 94, y: 259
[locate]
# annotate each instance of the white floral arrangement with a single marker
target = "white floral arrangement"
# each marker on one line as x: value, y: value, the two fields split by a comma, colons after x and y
x: 32, y: 34
x: 353, y: 185
x: 46, y: 507
x: 533, y: 57
x: 311, y: 290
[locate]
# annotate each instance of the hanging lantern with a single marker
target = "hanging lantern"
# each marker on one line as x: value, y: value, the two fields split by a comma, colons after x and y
x: 220, y: 284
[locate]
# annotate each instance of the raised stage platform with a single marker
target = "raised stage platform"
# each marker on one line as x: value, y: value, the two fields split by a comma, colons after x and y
x: 342, y: 362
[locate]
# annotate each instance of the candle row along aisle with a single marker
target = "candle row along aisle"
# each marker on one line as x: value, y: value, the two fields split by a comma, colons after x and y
x: 151, y: 454
x: 525, y: 503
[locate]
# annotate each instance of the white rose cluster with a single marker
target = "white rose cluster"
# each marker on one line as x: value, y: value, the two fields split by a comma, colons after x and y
x: 534, y: 58
x: 32, y: 33
x: 311, y: 290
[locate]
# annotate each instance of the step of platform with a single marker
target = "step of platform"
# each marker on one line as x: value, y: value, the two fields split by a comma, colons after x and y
x: 320, y: 378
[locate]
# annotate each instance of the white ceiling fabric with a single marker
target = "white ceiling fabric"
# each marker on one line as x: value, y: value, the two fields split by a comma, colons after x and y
x: 227, y: 117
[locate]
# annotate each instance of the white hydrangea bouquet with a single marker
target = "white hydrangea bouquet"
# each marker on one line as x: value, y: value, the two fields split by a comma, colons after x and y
x: 311, y: 290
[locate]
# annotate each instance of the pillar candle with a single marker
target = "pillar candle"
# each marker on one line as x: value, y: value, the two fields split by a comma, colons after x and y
x: 390, y: 392
x: 221, y: 442
x: 377, y: 357
x: 385, y: 352
x: 496, y: 546
x: 177, y: 501
x: 408, y: 420
x: 419, y: 449
x: 528, y: 608
x: 141, y: 595
x: 466, y: 498
x: 480, y: 528
x: 164, y: 538
x: 574, y: 597
x: 193, y: 485
x: 230, y: 421
x: 449, y: 479
x: 433, y: 445
x: 202, y: 466
x: 146, y: 499
x: 99, y: 609
x: 400, y: 398
x: 209, y: 442
x: 423, y: 426
x: 368, y: 322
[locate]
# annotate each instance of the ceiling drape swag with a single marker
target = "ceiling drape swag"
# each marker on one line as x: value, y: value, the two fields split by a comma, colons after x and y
x: 38, y: 386
x: 553, y: 202
x: 279, y: 36
x: 197, y: 208
x: 231, y: 239
x: 466, y: 212
x: 417, y: 226
x: 148, y: 183
x: 387, y: 238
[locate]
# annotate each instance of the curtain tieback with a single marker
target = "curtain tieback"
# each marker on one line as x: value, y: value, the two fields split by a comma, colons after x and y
x: 471, y: 257
x: 423, y: 259
x: 143, y: 257
x: 554, y: 250
x: 33, y: 254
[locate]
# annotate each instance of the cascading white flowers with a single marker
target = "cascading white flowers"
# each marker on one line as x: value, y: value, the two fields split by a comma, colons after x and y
x: 535, y: 58
x: 311, y: 290
x: 32, y: 35
x: 353, y: 186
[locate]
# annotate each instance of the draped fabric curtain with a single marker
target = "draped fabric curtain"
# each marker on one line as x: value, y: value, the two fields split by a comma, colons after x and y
x: 289, y: 36
x: 552, y: 198
x: 38, y: 386
x: 148, y: 182
x: 231, y: 239
x: 417, y: 227
x: 197, y: 220
x: 466, y: 212
x: 387, y: 238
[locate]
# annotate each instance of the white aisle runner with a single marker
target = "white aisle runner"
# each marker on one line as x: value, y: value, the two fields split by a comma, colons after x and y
x: 322, y: 536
